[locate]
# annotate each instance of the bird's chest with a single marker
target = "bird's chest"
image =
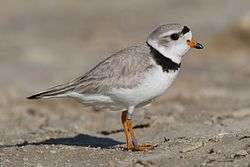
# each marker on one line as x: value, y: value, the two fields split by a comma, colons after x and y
x: 154, y: 84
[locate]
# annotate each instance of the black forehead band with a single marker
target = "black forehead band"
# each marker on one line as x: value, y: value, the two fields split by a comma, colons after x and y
x: 185, y: 30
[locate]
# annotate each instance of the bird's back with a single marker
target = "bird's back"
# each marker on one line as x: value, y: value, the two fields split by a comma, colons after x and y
x: 123, y: 69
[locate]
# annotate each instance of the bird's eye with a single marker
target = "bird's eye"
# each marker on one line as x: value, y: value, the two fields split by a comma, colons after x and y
x: 174, y: 37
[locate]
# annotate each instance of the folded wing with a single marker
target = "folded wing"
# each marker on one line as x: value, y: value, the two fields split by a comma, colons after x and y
x: 123, y: 69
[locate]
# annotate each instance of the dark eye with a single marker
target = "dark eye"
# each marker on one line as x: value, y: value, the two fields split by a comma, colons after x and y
x: 174, y: 37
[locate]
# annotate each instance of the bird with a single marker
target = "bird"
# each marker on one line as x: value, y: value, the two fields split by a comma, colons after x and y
x: 131, y: 77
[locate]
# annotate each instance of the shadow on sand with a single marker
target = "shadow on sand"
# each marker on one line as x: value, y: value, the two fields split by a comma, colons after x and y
x: 78, y: 140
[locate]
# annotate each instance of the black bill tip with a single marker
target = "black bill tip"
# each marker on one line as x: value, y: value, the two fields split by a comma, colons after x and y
x: 199, y: 46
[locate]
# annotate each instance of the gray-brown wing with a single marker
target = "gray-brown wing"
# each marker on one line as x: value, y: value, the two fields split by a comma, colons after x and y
x: 124, y: 69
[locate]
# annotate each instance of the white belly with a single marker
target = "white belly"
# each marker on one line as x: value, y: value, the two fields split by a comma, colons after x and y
x: 154, y: 85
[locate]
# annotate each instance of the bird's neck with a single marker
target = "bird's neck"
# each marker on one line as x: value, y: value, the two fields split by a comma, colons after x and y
x: 172, y: 53
x: 166, y: 63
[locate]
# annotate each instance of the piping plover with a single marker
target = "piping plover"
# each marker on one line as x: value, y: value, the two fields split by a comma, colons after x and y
x: 131, y: 77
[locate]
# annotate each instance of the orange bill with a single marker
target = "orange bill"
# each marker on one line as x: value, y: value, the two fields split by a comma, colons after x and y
x: 193, y: 44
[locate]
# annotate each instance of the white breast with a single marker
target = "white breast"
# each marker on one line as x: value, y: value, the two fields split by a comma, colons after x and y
x: 155, y: 84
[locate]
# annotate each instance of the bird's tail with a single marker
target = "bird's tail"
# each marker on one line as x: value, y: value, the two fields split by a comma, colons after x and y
x: 57, y: 91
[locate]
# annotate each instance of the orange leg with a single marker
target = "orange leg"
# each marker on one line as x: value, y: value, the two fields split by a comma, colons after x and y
x: 131, y: 141
x: 126, y: 131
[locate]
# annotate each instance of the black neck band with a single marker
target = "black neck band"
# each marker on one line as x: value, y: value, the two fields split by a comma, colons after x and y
x: 166, y: 63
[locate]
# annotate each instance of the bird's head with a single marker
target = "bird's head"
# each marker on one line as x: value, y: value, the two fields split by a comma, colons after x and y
x: 173, y: 41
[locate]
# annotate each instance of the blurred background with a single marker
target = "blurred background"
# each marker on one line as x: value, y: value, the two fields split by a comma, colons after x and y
x: 44, y: 43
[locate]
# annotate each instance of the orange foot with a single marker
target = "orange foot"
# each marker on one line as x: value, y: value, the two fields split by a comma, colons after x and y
x: 144, y: 147
x: 132, y: 143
